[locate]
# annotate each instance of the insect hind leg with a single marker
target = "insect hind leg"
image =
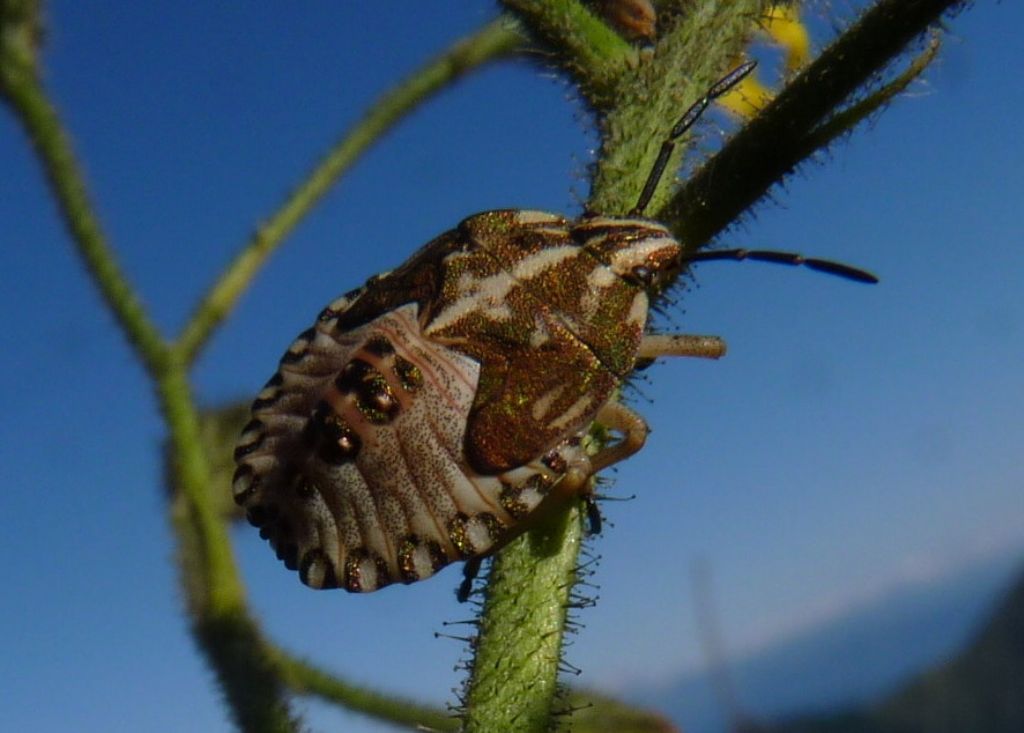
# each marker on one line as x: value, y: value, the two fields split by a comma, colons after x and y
x: 469, y: 573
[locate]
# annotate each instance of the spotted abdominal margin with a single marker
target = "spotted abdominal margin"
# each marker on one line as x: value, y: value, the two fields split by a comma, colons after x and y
x: 353, y: 465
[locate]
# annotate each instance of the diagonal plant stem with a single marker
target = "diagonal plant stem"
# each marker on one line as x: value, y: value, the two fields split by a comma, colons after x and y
x: 42, y: 125
x: 775, y: 142
x: 251, y: 676
x: 842, y: 122
x: 305, y: 678
x: 495, y: 40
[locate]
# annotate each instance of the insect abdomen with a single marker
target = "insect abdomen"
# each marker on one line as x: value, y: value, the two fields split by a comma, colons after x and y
x: 357, y: 474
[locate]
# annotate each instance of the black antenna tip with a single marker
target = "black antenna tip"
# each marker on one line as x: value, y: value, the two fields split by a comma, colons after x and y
x: 743, y: 69
x: 783, y: 258
x: 838, y: 268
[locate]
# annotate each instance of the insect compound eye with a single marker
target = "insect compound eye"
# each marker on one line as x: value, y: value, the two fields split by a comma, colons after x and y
x: 660, y: 271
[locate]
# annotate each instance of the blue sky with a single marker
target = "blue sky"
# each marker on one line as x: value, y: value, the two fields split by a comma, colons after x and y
x: 854, y: 438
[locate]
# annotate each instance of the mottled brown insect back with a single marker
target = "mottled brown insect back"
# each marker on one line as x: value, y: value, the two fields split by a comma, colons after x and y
x: 555, y: 330
x: 427, y: 416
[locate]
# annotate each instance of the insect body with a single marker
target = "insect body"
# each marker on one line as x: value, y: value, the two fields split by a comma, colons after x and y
x: 426, y: 416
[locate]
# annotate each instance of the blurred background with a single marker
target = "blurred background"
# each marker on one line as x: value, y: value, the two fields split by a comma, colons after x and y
x: 833, y: 509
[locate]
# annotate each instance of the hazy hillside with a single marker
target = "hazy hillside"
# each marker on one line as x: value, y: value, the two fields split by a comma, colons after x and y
x: 853, y: 660
x: 981, y: 690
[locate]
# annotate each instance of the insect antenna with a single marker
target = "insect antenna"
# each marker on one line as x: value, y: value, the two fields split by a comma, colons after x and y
x: 783, y: 258
x: 688, y: 120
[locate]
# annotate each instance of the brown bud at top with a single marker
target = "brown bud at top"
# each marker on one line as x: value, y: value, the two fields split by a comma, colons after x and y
x: 635, y: 20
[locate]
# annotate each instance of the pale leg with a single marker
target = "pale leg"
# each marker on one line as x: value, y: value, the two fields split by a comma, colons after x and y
x: 656, y: 345
x: 618, y: 417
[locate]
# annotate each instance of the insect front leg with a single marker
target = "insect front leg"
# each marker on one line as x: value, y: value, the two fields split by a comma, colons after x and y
x: 655, y: 345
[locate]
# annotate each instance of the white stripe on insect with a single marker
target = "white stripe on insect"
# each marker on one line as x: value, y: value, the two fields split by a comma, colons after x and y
x: 598, y: 280
x: 489, y: 295
x: 575, y: 411
x: 527, y: 216
x: 639, y: 251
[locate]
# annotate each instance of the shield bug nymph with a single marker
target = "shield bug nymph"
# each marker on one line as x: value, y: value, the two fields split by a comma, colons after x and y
x: 426, y: 416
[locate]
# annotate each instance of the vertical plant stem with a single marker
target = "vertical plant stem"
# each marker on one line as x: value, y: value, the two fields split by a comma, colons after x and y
x: 518, y: 652
x: 19, y: 81
x: 695, y: 51
x: 514, y: 672
x: 210, y: 578
x: 221, y: 587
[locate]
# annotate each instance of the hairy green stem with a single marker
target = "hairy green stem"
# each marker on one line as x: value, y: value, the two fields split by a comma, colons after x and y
x: 512, y: 680
x: 842, y: 122
x: 514, y: 674
x: 585, y: 46
x: 222, y: 589
x: 697, y: 48
x: 775, y: 142
x: 44, y: 129
x: 257, y: 698
x: 517, y: 656
x: 498, y: 38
